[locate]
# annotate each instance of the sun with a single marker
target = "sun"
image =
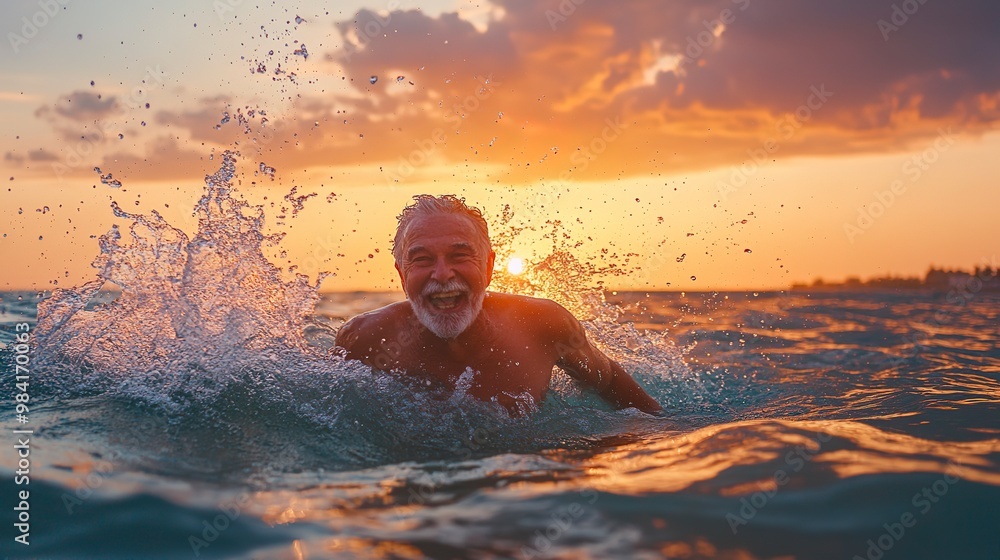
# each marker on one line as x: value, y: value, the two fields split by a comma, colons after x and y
x: 515, y: 266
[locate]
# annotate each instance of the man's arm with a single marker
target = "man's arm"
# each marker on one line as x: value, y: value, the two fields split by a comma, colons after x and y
x: 584, y: 362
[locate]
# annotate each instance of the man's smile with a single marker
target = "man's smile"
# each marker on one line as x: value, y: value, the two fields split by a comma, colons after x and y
x: 447, y: 300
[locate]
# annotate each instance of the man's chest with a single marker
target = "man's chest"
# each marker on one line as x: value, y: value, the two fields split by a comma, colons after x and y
x: 508, y: 366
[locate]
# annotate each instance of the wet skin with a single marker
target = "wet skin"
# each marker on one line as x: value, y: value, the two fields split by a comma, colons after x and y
x: 512, y: 344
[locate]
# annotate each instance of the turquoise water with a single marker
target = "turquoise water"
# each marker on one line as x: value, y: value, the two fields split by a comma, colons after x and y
x: 202, y: 413
x: 799, y: 426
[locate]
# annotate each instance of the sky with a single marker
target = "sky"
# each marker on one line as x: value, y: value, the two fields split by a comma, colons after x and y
x: 687, y: 145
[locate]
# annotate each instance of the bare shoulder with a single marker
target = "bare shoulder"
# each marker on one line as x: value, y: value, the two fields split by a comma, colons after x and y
x: 545, y: 314
x: 358, y: 335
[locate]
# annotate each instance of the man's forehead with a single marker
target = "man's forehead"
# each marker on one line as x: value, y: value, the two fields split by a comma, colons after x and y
x: 442, y: 224
x: 460, y: 245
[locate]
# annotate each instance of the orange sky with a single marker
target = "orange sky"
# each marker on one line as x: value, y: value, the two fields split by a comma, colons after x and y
x: 828, y: 139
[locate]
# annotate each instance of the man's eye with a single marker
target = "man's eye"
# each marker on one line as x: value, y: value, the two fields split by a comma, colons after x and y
x: 420, y: 260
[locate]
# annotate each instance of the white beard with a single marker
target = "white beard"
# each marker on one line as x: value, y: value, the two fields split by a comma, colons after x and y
x: 447, y: 324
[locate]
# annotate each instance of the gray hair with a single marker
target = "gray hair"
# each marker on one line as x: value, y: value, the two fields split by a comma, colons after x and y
x: 430, y: 205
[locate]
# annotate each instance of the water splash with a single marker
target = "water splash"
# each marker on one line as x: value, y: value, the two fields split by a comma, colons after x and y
x: 107, y: 179
x: 652, y: 357
x: 205, y: 306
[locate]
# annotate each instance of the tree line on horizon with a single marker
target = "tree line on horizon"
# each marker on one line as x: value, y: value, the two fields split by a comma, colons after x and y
x: 938, y: 279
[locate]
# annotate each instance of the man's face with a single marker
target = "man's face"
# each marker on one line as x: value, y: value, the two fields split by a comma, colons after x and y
x: 445, y: 270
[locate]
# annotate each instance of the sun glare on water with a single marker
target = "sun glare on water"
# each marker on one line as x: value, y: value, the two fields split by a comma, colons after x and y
x: 515, y: 266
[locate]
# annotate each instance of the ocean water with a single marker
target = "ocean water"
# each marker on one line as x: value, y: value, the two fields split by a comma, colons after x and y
x: 203, y: 413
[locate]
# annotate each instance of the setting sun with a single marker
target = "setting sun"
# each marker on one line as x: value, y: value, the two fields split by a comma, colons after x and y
x: 515, y: 266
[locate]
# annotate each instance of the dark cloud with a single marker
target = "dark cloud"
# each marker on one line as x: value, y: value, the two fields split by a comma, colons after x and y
x: 553, y: 87
x: 563, y: 69
x: 81, y: 105
x: 42, y: 154
x: 168, y: 158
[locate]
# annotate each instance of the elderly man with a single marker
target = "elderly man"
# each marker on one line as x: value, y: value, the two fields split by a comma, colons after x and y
x: 450, y: 327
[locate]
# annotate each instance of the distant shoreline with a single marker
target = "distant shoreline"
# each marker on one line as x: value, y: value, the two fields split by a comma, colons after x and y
x: 936, y: 280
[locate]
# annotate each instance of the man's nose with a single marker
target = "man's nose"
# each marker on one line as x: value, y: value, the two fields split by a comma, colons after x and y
x: 442, y: 271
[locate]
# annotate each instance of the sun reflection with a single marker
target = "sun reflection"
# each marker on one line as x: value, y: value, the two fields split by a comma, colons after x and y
x: 515, y: 265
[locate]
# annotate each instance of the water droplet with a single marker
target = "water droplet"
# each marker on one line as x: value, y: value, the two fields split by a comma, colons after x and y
x: 298, y: 19
x: 91, y: 82
x: 693, y: 278
x: 747, y: 251
x: 681, y: 258
x: 121, y: 136
x: 301, y: 51
x: 373, y: 79
x: 400, y: 79
x: 79, y: 36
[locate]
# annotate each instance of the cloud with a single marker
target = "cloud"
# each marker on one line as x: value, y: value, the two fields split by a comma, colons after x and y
x: 598, y: 90
x: 81, y: 105
x: 42, y: 154
x: 699, y: 83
